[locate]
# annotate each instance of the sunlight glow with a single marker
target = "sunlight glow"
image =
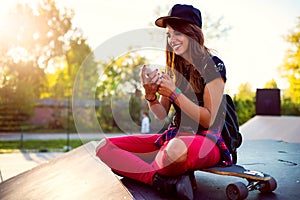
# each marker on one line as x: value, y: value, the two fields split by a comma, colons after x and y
x: 252, y: 51
x: 19, y: 54
x: 55, y: 64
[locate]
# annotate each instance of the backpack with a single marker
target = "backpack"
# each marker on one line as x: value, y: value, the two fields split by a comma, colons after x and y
x: 230, y: 132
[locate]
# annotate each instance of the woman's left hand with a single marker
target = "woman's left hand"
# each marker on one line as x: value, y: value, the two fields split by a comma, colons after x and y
x: 149, y: 82
x: 166, y: 85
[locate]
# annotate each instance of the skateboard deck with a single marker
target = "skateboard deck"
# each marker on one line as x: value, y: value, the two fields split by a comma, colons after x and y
x: 239, y: 171
x: 256, y: 181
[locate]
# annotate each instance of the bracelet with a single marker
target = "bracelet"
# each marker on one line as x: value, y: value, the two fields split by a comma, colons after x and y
x: 175, y: 94
x: 151, y: 100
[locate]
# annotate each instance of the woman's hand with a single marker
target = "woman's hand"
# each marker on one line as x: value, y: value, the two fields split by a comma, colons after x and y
x: 150, y: 82
x: 166, y: 85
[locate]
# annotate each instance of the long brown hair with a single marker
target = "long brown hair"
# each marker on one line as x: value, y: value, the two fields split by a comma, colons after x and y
x: 198, y: 51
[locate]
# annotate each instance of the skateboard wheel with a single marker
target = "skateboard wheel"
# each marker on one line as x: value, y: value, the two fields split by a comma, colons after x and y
x: 268, y: 186
x: 237, y: 191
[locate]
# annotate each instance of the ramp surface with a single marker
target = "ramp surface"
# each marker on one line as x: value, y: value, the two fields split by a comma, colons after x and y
x: 282, y: 128
x: 79, y: 175
x: 279, y: 159
x: 74, y: 175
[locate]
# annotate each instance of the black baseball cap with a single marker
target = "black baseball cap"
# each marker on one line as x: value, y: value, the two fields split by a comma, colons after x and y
x: 186, y: 13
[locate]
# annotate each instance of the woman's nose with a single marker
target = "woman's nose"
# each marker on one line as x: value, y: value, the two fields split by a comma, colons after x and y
x: 172, y: 40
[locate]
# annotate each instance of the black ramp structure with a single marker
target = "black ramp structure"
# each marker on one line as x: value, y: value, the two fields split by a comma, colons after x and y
x: 268, y: 102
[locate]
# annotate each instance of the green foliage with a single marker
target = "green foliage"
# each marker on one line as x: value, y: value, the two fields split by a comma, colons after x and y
x: 38, y: 145
x: 288, y: 107
x: 245, y: 103
x: 62, y: 81
x: 118, y: 90
x: 245, y: 110
x: 290, y: 69
x: 271, y: 84
x: 43, y: 55
x: 20, y: 86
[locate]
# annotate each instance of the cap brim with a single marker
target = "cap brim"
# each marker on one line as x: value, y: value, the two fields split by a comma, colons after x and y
x: 161, y: 22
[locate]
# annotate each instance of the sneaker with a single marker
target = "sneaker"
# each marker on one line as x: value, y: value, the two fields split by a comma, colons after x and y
x: 174, y: 186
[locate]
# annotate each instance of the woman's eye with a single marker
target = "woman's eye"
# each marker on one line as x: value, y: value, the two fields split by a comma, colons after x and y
x: 177, y: 33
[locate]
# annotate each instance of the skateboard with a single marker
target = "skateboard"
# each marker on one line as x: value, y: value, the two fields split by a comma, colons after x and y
x: 256, y: 181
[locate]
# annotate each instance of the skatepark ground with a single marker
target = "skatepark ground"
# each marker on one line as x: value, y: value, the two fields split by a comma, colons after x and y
x: 271, y: 144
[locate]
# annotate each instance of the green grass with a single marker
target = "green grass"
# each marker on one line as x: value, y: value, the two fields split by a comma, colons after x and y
x: 38, y: 145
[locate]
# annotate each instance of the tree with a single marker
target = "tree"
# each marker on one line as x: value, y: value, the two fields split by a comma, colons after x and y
x: 36, y: 40
x: 290, y: 68
x: 271, y: 84
x: 245, y: 103
x: 61, y: 82
x: 119, y: 83
x: 20, y: 84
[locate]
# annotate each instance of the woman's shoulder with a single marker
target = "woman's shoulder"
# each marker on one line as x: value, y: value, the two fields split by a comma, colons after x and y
x: 215, y: 68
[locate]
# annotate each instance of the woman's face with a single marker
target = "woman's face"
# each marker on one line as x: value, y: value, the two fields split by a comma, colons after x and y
x: 177, y: 41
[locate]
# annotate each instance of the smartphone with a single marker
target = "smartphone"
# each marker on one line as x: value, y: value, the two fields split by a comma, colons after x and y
x: 151, y: 68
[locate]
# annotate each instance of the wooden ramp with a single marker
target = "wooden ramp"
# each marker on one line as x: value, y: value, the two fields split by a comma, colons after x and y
x: 74, y: 175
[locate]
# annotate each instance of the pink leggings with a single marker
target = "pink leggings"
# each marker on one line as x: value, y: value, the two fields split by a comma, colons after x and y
x: 136, y: 156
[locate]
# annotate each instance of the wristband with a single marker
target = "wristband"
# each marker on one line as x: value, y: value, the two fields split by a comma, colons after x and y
x: 175, y: 94
x: 151, y: 100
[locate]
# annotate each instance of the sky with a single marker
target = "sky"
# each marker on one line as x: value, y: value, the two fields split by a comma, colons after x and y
x: 252, y: 50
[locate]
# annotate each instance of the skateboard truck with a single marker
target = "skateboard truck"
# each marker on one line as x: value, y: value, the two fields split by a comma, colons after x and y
x: 239, y: 190
x: 256, y: 181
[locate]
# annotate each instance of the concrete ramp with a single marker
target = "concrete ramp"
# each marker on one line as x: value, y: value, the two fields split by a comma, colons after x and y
x: 74, y: 175
x: 284, y: 128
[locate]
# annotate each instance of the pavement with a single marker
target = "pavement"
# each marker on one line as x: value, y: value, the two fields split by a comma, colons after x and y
x: 55, y: 136
x: 13, y: 164
x: 274, y: 153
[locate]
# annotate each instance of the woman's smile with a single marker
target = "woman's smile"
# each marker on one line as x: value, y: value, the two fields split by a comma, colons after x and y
x: 179, y: 42
x: 176, y: 46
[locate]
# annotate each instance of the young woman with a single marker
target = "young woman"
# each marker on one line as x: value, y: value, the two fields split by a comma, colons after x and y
x: 193, y: 84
